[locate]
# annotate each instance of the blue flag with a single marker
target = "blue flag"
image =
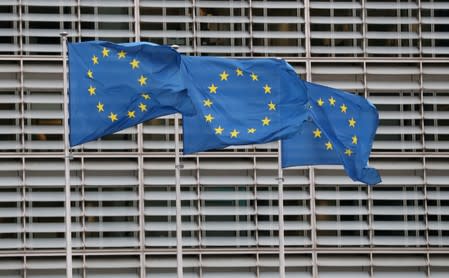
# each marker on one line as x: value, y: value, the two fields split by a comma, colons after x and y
x: 340, y: 130
x: 115, y: 86
x: 241, y: 102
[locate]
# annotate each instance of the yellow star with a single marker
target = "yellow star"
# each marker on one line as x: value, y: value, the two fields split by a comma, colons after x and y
x: 343, y: 108
x: 131, y: 114
x: 332, y: 101
x: 239, y: 72
x: 266, y: 121
x: 267, y: 89
x: 329, y: 145
x: 105, y: 52
x: 320, y: 102
x: 224, y: 76
x: 234, y: 133
x: 142, y: 80
x: 95, y: 60
x: 90, y: 74
x: 91, y: 90
x: 348, y: 152
x: 146, y: 96
x: 354, y: 140
x: 100, y: 107
x: 134, y: 64
x: 143, y: 107
x: 271, y: 106
x: 254, y: 77
x: 317, y: 133
x: 207, y: 102
x: 113, y: 117
x: 209, y: 118
x: 121, y: 54
x: 251, y: 130
x: 352, y: 122
x: 219, y: 130
x: 213, y: 89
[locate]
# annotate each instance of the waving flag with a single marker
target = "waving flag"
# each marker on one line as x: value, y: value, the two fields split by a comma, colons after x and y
x: 115, y: 86
x: 241, y: 102
x: 340, y: 130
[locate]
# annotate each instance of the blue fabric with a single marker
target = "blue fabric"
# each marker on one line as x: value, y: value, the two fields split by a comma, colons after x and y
x: 117, y: 93
x: 240, y: 102
x: 334, y: 134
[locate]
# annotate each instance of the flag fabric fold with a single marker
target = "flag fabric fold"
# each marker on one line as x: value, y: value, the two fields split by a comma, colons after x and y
x: 340, y: 130
x: 116, y: 86
x: 240, y: 102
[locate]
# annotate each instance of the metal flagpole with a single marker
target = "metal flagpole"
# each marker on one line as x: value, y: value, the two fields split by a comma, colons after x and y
x: 68, y: 219
x: 281, y: 213
x: 178, y: 200
x: 178, y: 167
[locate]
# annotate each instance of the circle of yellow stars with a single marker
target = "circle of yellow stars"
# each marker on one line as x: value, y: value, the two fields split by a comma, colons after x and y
x: 351, y: 123
x: 142, y: 80
x: 214, y: 89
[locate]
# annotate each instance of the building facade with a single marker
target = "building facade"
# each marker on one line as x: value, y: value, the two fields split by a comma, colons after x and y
x: 123, y: 195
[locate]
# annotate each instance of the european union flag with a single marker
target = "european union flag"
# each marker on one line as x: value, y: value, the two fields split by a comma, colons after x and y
x: 340, y: 130
x: 115, y: 86
x: 241, y: 102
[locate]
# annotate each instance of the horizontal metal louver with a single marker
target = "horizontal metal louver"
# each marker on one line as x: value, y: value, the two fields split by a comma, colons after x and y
x: 123, y: 186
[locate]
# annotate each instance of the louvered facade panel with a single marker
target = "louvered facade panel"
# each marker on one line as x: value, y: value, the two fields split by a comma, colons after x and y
x: 236, y: 219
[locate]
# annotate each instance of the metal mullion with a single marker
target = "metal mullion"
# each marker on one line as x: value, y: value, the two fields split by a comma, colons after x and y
x: 19, y: 7
x: 78, y: 14
x: 265, y: 27
x: 298, y: 25
x: 26, y: 23
x: 231, y: 30
x: 432, y: 29
x: 354, y: 27
x: 420, y: 44
x: 22, y: 107
x: 164, y: 23
x: 332, y: 29
x: 195, y: 27
x: 399, y: 29
x: 364, y: 29
x: 23, y: 205
x: 136, y: 9
x: 307, y: 31
x: 251, y: 38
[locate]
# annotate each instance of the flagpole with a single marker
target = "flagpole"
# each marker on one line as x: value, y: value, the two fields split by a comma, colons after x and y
x: 178, y: 166
x: 178, y: 200
x: 68, y: 219
x: 280, y: 179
